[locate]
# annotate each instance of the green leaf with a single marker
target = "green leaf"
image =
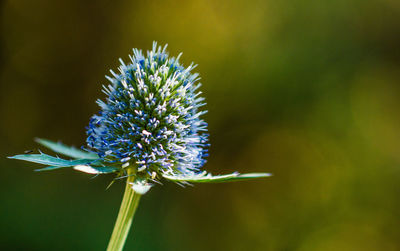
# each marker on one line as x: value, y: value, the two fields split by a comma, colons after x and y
x: 96, y: 169
x: 84, y: 168
x: 53, y: 163
x: 69, y: 151
x: 50, y: 160
x: 208, y: 178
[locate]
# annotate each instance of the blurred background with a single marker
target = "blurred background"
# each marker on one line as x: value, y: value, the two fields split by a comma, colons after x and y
x: 307, y: 90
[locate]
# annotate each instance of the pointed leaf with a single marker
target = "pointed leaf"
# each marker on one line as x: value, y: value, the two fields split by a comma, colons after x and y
x: 50, y: 160
x: 69, y: 151
x: 248, y: 176
x: 208, y: 178
x: 95, y: 169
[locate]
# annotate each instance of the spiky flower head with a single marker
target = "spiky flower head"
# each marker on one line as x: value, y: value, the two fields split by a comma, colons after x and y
x: 150, y: 120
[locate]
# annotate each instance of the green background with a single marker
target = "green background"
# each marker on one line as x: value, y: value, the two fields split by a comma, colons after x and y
x: 307, y: 90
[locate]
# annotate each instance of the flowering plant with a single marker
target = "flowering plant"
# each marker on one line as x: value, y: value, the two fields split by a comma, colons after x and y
x: 149, y: 129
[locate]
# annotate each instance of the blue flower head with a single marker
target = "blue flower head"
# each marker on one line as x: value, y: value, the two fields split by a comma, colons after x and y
x: 149, y: 127
x: 151, y: 119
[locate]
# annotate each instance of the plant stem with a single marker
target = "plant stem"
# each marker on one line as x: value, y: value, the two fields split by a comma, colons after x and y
x: 127, y: 210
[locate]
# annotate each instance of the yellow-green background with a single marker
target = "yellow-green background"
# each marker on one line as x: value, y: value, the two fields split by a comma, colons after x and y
x: 306, y: 89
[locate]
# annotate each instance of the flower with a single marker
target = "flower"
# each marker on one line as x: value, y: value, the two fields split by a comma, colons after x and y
x: 149, y: 127
x: 151, y: 120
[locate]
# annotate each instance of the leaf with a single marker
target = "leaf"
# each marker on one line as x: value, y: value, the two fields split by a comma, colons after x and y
x: 208, y: 178
x: 50, y: 160
x: 56, y: 163
x: 84, y: 168
x: 69, y: 151
x: 96, y: 169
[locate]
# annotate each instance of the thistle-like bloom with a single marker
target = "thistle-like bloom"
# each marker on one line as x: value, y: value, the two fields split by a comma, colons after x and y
x: 150, y: 120
x: 149, y: 126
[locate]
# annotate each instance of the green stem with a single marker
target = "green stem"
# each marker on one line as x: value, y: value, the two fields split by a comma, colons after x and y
x: 127, y: 210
